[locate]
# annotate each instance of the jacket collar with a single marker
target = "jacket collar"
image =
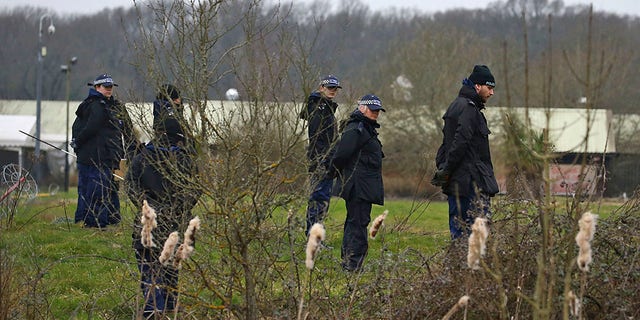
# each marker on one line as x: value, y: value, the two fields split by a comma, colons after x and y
x: 469, y: 92
x: 358, y: 116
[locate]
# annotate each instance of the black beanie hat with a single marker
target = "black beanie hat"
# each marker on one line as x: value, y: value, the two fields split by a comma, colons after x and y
x: 482, y: 75
x: 168, y: 91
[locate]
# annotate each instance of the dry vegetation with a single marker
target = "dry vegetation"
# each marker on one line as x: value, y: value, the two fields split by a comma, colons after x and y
x: 249, y: 257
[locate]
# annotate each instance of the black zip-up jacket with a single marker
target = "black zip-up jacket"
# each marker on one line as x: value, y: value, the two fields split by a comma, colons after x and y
x: 464, y: 152
x: 320, y: 114
x: 162, y: 173
x: 358, y: 161
x: 166, y: 113
x: 98, y: 131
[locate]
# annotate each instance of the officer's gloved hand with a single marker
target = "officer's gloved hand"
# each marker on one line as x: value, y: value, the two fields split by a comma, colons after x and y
x: 74, y: 144
x: 440, y: 178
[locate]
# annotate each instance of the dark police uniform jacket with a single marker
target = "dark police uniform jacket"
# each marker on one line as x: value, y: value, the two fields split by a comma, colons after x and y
x: 162, y: 174
x: 358, y: 161
x: 320, y: 114
x: 98, y: 131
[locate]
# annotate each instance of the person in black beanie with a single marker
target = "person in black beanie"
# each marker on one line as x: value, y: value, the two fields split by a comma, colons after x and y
x: 463, y: 162
x: 162, y: 174
x: 168, y: 109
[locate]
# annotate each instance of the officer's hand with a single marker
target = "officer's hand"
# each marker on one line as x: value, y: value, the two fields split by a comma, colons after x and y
x: 74, y: 144
x: 440, y: 178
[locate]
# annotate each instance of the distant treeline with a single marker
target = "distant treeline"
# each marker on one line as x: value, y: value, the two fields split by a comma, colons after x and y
x: 367, y: 50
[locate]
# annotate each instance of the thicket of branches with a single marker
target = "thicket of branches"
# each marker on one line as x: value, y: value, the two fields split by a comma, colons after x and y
x: 249, y: 262
x: 536, y: 48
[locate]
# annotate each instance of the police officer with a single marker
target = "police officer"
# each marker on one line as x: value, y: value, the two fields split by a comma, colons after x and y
x: 98, y: 131
x: 358, y: 162
x: 162, y: 173
x: 319, y: 112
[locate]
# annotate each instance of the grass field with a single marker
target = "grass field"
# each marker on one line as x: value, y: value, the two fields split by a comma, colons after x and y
x: 87, y: 269
x: 87, y: 273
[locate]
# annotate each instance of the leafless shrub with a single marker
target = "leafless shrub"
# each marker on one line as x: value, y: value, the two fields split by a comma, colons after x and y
x: 11, y: 292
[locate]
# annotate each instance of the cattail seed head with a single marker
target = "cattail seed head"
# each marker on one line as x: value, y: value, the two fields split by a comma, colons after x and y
x: 317, y: 234
x: 477, y: 242
x: 377, y: 223
x: 574, y: 304
x: 462, y: 302
x: 186, y: 248
x: 587, y: 224
x: 169, y: 247
x: 190, y: 234
x: 148, y: 220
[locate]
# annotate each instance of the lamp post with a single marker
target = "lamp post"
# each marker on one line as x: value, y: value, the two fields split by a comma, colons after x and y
x: 42, y: 52
x: 66, y: 68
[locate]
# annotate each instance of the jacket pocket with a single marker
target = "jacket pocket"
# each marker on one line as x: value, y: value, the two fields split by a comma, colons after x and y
x: 486, y: 180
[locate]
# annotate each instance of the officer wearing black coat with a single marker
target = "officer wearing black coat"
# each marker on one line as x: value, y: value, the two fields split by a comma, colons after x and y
x: 163, y: 174
x: 320, y: 114
x: 465, y: 171
x: 167, y: 106
x: 100, y: 132
x: 358, y: 162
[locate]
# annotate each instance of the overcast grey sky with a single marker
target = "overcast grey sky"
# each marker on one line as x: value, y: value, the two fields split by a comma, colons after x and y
x: 631, y: 7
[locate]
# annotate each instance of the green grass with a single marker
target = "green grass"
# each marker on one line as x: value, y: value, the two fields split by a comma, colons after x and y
x: 91, y: 273
x: 72, y: 264
x: 406, y: 222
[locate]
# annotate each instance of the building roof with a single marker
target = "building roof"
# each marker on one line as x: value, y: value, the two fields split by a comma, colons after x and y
x: 52, y: 120
x: 570, y: 130
x: 567, y: 126
x: 9, y: 131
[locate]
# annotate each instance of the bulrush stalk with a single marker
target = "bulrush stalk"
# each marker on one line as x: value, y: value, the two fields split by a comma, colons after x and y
x: 377, y: 223
x: 169, y: 247
x: 477, y: 243
x: 148, y: 220
x: 583, y: 239
x: 316, y: 236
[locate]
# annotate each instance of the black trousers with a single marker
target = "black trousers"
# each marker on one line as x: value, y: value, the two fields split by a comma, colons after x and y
x: 354, y: 241
x: 159, y: 283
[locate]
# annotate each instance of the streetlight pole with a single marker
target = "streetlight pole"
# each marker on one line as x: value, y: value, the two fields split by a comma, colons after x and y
x: 42, y: 52
x: 66, y: 68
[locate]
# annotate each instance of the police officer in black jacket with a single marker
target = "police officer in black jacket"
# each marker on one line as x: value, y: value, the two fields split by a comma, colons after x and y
x: 320, y: 114
x: 465, y: 171
x: 100, y: 132
x: 163, y: 174
x: 358, y: 162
